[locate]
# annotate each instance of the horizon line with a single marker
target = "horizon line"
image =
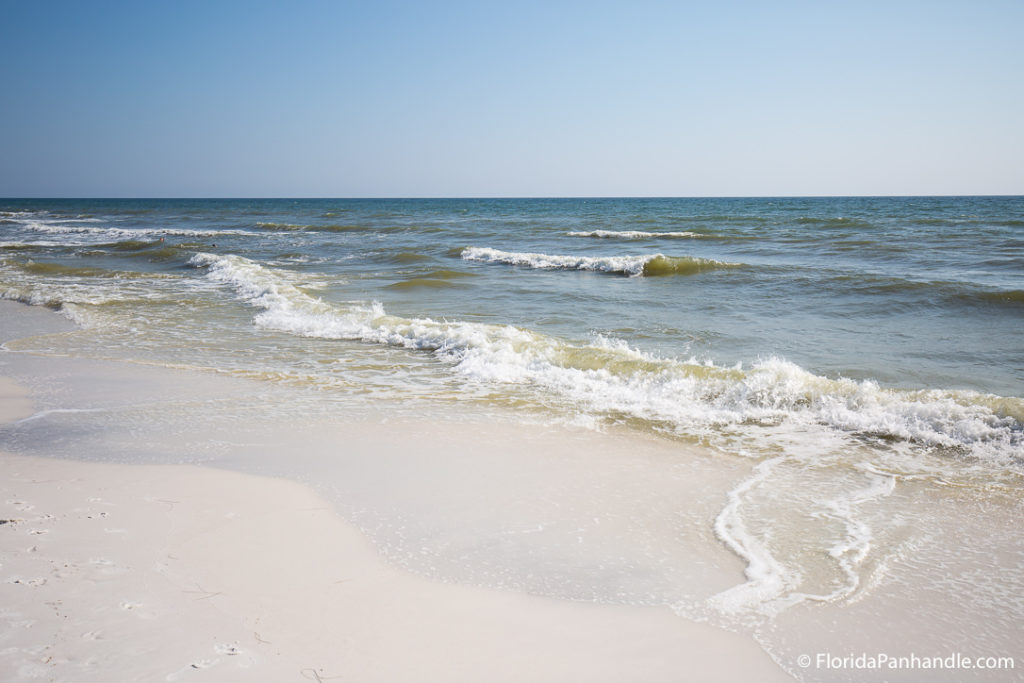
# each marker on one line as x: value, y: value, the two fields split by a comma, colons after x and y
x: 516, y: 197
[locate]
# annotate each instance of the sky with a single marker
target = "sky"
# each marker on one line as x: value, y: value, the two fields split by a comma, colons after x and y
x: 531, y: 99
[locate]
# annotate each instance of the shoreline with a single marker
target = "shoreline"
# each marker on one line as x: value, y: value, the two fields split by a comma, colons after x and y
x: 171, y: 572
x: 187, y: 572
x: 487, y: 544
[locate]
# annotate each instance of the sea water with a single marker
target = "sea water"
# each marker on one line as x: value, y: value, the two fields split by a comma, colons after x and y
x: 864, y: 357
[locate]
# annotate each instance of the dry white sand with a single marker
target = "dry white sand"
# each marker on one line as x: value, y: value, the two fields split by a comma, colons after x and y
x: 147, y: 572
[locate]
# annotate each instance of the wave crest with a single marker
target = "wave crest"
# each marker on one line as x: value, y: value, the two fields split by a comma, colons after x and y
x: 122, y: 233
x: 632, y: 266
x: 611, y: 379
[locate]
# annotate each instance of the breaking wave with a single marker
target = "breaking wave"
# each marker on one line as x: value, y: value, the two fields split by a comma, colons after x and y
x: 610, y: 379
x: 122, y: 233
x: 330, y: 227
x: 632, y: 266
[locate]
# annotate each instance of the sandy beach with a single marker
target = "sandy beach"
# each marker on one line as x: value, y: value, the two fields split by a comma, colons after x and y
x: 180, y: 572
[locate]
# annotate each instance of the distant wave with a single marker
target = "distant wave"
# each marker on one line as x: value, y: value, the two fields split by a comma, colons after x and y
x: 835, y: 221
x: 635, y: 234
x: 313, y: 227
x: 335, y: 227
x: 735, y: 219
x: 405, y: 257
x: 281, y: 226
x: 1013, y: 297
x: 632, y: 266
x: 612, y: 379
x: 434, y: 279
x: 22, y: 246
x: 969, y: 221
x: 908, y: 291
x: 59, y: 228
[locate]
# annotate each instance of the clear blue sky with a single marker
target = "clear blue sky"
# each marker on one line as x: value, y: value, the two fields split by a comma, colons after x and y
x: 354, y: 99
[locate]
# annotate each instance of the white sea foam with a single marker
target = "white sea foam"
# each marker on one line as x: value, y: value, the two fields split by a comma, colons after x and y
x: 19, y: 214
x: 625, y: 265
x: 94, y: 293
x: 61, y: 228
x: 633, y: 266
x: 851, y: 551
x: 768, y: 579
x: 778, y: 573
x: 64, y: 287
x: 689, y: 398
x: 22, y: 245
x: 635, y: 234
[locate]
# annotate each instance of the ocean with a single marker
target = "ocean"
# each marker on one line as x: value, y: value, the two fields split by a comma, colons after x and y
x: 863, y: 357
